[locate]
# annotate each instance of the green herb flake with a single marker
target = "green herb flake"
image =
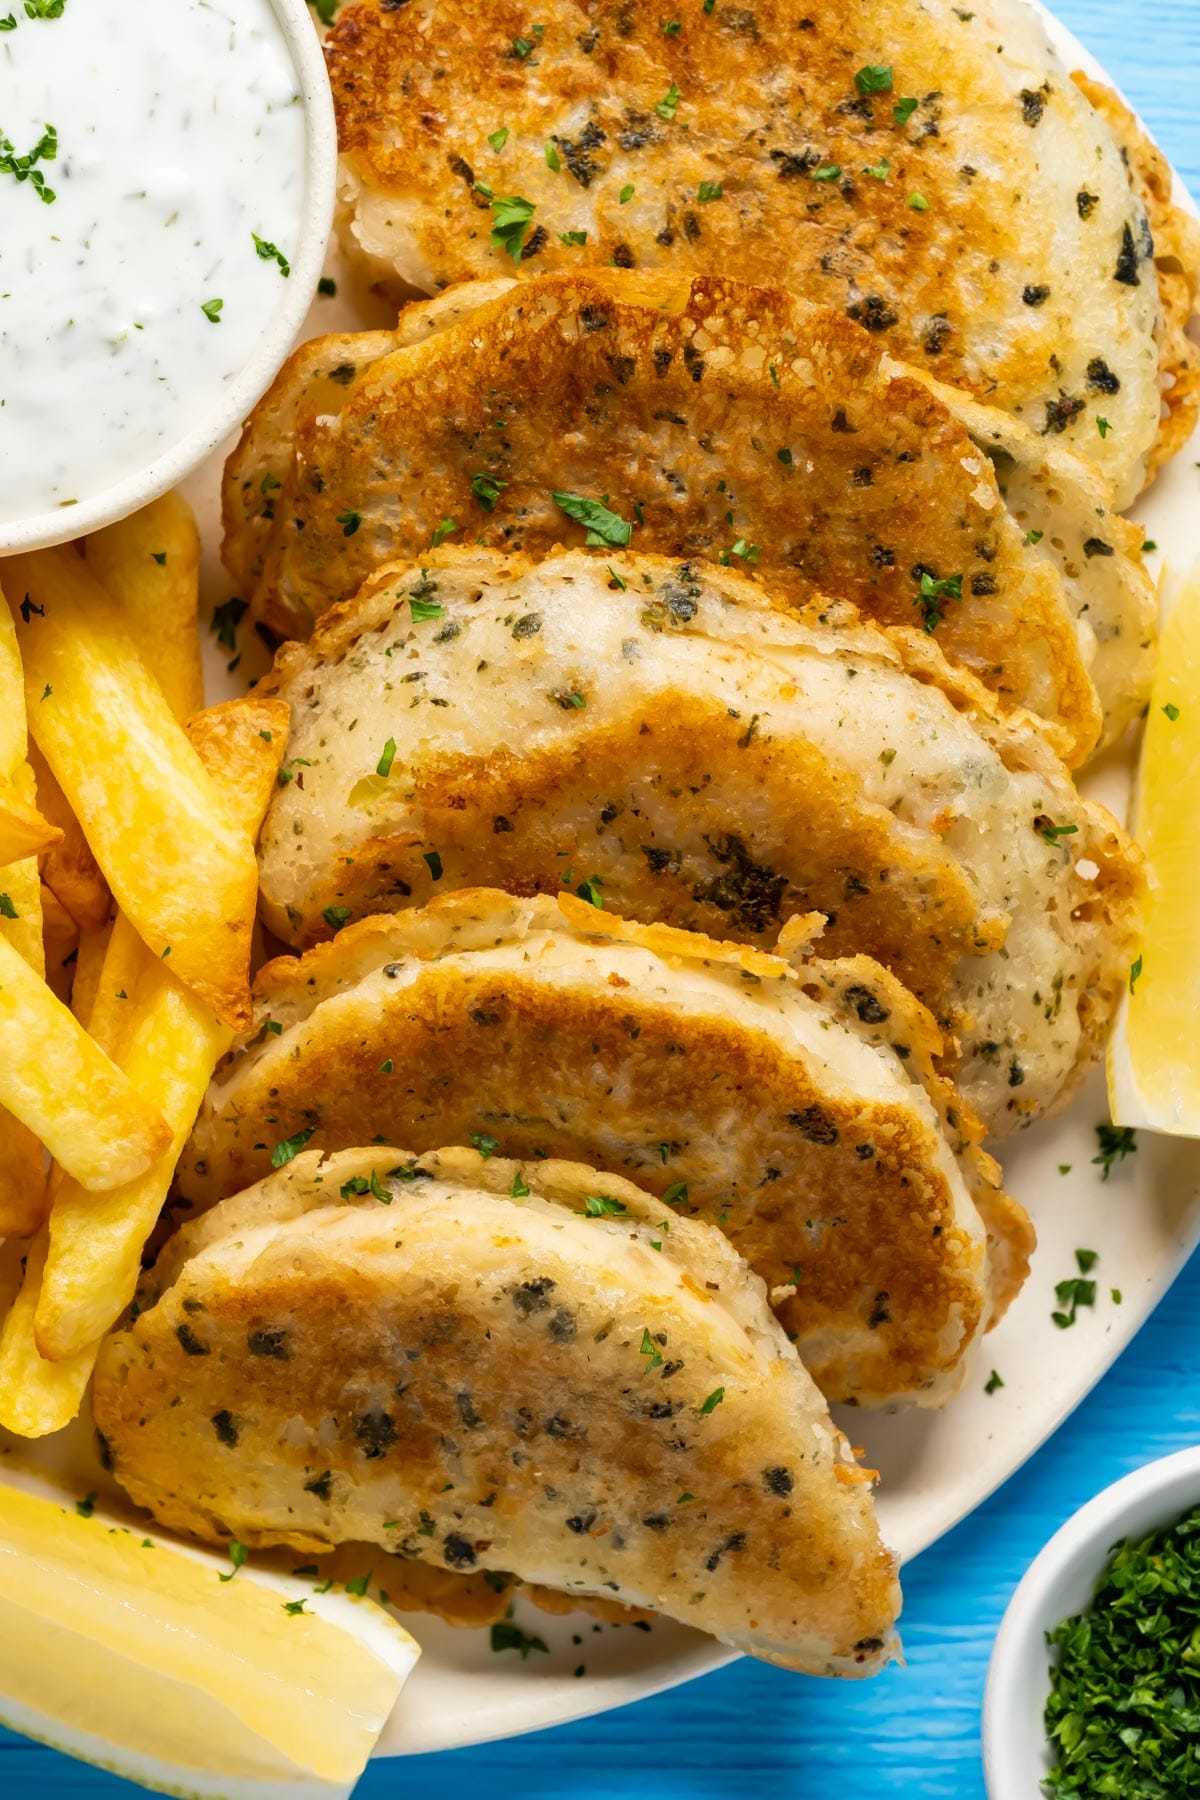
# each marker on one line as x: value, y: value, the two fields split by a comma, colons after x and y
x: 86, y: 1507
x: 676, y: 1194
x: 486, y: 1146
x: 1071, y: 1294
x: 878, y: 171
x: 511, y: 218
x: 572, y: 237
x: 904, y: 109
x: 238, y: 1555
x: 7, y: 909
x: 507, y: 1636
x: 710, y: 190
x: 337, y: 916
x: 441, y: 532
x: 604, y: 527
x: 918, y: 203
x: 1103, y: 427
x: 933, y: 591
x: 498, y: 138
x: 290, y: 1147
x: 327, y: 287
x: 520, y: 1188
x: 668, y: 106
x: 553, y: 161
x: 487, y: 489
x: 601, y: 1206
x: 827, y: 172
x: 874, y: 78
x: 358, y: 1585
x: 293, y: 1608
x: 1116, y: 1142
x: 626, y: 194
x: 1053, y: 834
x: 212, y: 310
x: 271, y: 253
x: 384, y: 765
x: 993, y: 1382
x: 434, y: 861
x: 589, y: 890
x: 1034, y: 537
x: 650, y: 1349
x: 714, y: 1400
x: 1171, y: 710
x: 1135, y: 970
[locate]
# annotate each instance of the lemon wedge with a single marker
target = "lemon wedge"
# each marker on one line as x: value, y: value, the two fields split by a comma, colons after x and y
x: 130, y: 1651
x: 1153, y: 1069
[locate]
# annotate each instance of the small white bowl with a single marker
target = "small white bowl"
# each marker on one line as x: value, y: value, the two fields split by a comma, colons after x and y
x: 1061, y: 1581
x: 270, y: 351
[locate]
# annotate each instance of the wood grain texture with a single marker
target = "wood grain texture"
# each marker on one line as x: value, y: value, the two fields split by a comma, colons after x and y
x: 754, y: 1732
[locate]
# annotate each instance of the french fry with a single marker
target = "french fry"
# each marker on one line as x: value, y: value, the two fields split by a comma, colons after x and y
x: 36, y: 1397
x: 60, y: 941
x: 62, y: 1086
x: 69, y: 869
x: 89, y: 961
x: 23, y: 830
x: 22, y: 1165
x: 173, y: 856
x: 169, y: 1049
x: 150, y: 564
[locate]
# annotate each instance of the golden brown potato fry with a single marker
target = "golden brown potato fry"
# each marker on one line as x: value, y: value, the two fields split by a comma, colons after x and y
x: 150, y: 563
x: 36, y: 1397
x: 23, y: 830
x: 168, y: 1044
x: 65, y: 1089
x: 93, y: 947
x: 173, y: 856
x: 60, y: 940
x: 23, y: 1200
x: 68, y: 868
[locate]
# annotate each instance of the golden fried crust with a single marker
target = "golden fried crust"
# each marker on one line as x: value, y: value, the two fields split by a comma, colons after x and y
x: 743, y: 142
x: 676, y: 399
x: 656, y: 1054
x: 1176, y: 236
x: 481, y: 1373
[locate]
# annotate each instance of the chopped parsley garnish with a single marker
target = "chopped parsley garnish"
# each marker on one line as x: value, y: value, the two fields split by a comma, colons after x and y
x: 553, y: 161
x: 290, y: 1147
x: 523, y: 47
x: 520, y: 1188
x: 1149, y: 545
x: 1171, y: 710
x: 880, y: 170
x: 337, y: 916
x: 827, y: 172
x: 918, y: 203
x: 441, y: 532
x: 293, y: 1608
x: 324, y: 9
x: 225, y: 621
x: 349, y: 522
x: 1116, y: 1142
x: 1034, y: 537
x: 676, y: 1194
x: 357, y: 1585
x: 874, y: 78
x: 572, y: 237
x: 669, y: 104
x: 7, y: 909
x: 774, y: 374
x: 507, y: 1636
x: 384, y: 765
x: 650, y: 1348
x: 498, y: 138
x: 600, y: 1206
x: 1125, y: 1686
x: 271, y: 253
x: 785, y: 457
x: 238, y: 1554
x: 589, y: 890
x: 357, y: 1184
x: 934, y: 590
x: 327, y: 287
x: 904, y: 109
x: 511, y: 216
x: 375, y: 1186
x: 212, y: 310
x: 604, y: 526
x: 671, y: 28
x: 710, y: 190
x: 714, y: 1400
x: 433, y: 859
x: 617, y: 578
x: 424, y: 609
x: 1135, y: 970
x: 626, y: 194
x: 160, y: 557
x: 486, y: 1146
x: 23, y: 168
x: 1074, y: 1292
x: 993, y: 1382
x: 1103, y: 427
x: 1053, y: 833
x: 86, y: 1507
x: 486, y: 489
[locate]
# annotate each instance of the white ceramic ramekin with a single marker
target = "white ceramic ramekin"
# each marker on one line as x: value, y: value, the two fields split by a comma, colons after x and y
x: 256, y: 376
x: 1058, y: 1583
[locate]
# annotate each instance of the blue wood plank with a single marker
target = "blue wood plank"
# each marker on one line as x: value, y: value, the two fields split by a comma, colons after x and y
x: 915, y: 1732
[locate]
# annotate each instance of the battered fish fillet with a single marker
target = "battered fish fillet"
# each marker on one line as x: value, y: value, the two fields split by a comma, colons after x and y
x: 796, y: 1107
x: 531, y: 1368
x: 931, y: 169
x: 661, y: 734
x: 721, y: 421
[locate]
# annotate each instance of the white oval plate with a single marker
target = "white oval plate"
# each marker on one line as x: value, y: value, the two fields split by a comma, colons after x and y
x: 935, y: 1468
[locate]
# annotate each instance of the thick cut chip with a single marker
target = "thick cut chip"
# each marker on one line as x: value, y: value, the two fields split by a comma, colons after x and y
x: 527, y: 1368
x: 150, y: 564
x: 789, y: 1106
x: 178, y: 865
x: 929, y: 168
x: 659, y: 737
x: 68, y: 867
x: 694, y: 417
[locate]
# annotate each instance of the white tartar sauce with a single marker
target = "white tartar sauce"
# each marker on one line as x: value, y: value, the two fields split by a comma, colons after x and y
x: 171, y: 135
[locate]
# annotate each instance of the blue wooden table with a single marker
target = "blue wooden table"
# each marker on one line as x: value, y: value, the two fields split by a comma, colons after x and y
x: 750, y: 1730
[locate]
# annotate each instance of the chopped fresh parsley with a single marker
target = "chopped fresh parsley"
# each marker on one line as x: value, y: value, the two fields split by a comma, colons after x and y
x: 486, y: 1146
x: 7, y: 909
x: 1034, y: 537
x: 23, y: 168
x: 604, y: 526
x: 441, y: 532
x: 553, y: 161
x: 498, y: 138
x: 327, y: 287
x: 878, y: 171
x: 337, y: 916
x: 1116, y: 1142
x: 626, y: 194
x: 238, y: 1554
x: 486, y: 489
x: 293, y: 1608
x: 676, y: 1194
x: 520, y: 1188
x: 271, y: 253
x: 904, y: 109
x: 589, y: 890
x: 290, y: 1147
x: 424, y: 609
x: 600, y: 1206
x: 827, y: 172
x: 433, y: 859
x: 357, y: 1184
x: 225, y: 620
x: 714, y: 1400
x: 650, y: 1348
x: 918, y: 203
x: 934, y: 590
x: 1054, y: 833
x: 511, y: 216
x: 1073, y: 1293
x: 1103, y: 427
x: 1135, y: 970
x: 388, y: 757
x: 1171, y: 710
x: 349, y: 522
x: 710, y: 190
x: 86, y: 1507
x: 212, y: 310
x: 507, y: 1636
x: 874, y: 78
x: 572, y: 237
x: 668, y: 106
x: 993, y: 1382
